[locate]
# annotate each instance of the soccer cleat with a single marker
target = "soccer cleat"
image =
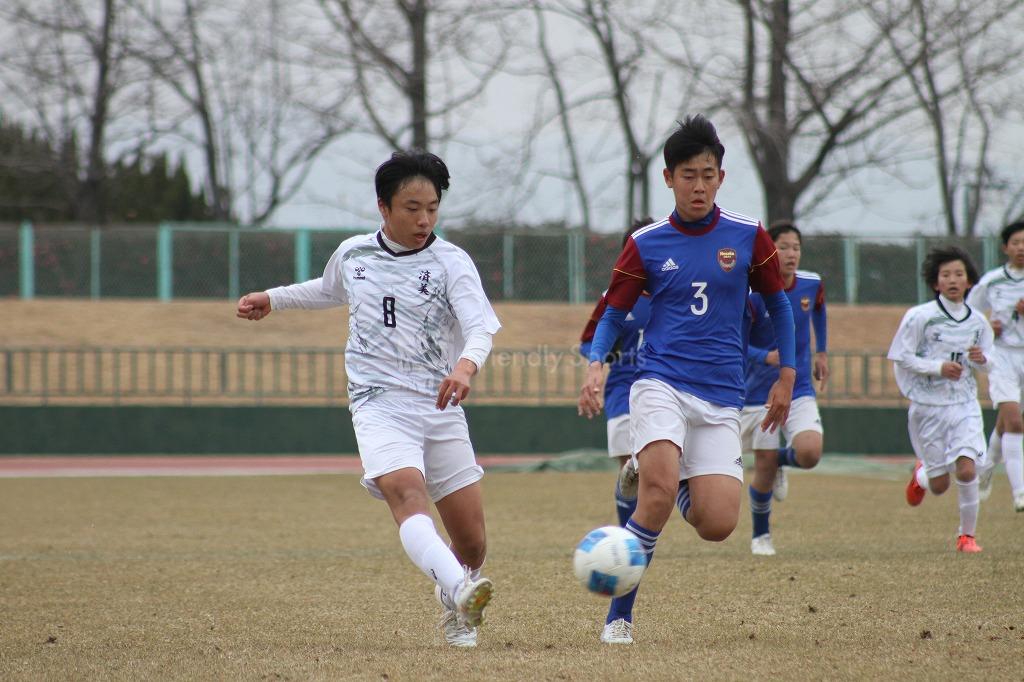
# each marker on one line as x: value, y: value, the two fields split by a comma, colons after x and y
x: 762, y: 545
x: 629, y: 480
x: 1018, y: 502
x: 471, y: 597
x: 618, y: 632
x: 780, y: 488
x: 915, y: 493
x: 985, y: 482
x: 967, y: 544
x: 455, y: 632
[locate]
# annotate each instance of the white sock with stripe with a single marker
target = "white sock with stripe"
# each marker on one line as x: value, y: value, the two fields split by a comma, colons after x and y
x: 1013, y: 459
x: 967, y: 495
x: 429, y: 552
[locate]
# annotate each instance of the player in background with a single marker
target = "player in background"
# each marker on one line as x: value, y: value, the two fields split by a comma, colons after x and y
x: 1000, y: 296
x: 420, y: 326
x: 802, y: 429
x: 622, y: 367
x: 697, y: 265
x: 936, y: 348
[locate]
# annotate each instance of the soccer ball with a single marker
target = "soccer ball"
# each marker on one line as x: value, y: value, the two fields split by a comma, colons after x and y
x: 610, y: 561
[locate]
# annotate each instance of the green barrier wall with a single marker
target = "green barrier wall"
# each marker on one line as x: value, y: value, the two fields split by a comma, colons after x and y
x: 68, y: 430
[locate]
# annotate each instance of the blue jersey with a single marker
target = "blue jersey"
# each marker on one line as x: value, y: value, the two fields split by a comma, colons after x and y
x: 807, y: 298
x: 623, y: 356
x: 698, y: 276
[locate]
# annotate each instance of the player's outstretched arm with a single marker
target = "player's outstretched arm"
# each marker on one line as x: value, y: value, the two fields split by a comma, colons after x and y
x: 254, y: 306
x: 779, y: 399
x: 455, y: 387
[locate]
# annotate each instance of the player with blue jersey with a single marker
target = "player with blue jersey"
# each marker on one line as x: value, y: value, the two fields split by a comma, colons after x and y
x: 697, y: 265
x: 802, y: 429
x: 621, y: 370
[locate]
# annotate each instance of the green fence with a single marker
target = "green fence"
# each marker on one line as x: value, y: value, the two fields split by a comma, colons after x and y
x: 316, y: 376
x: 220, y: 261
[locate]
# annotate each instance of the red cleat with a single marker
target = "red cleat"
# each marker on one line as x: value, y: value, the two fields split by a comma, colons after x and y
x: 967, y: 544
x: 915, y: 493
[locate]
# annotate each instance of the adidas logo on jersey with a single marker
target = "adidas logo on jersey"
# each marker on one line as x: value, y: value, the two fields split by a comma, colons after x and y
x: 669, y: 265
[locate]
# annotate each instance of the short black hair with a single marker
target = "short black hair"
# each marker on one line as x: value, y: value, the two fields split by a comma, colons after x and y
x: 404, y: 166
x: 637, y: 224
x: 939, y: 256
x: 694, y: 136
x: 781, y: 227
x: 1010, y: 230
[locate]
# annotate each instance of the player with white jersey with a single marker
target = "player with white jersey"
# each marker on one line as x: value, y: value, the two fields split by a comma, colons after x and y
x: 802, y: 430
x: 697, y: 265
x: 420, y: 326
x: 1000, y: 296
x: 936, y: 349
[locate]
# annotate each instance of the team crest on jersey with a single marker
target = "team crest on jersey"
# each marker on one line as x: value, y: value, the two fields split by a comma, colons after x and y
x: 805, y: 303
x: 727, y: 259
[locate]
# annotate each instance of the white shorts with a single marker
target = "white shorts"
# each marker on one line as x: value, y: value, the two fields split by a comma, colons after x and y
x: 400, y: 432
x: 707, y: 435
x: 1006, y: 376
x: 803, y: 416
x: 619, y: 443
x: 942, y: 433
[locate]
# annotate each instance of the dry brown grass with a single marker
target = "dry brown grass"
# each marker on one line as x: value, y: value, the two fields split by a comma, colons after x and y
x: 303, y: 577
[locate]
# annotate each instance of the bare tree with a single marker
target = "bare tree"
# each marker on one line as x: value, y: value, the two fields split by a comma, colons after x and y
x: 953, y: 57
x: 553, y: 75
x: 66, y: 64
x: 639, y: 88
x: 431, y: 57
x: 243, y: 92
x: 808, y: 86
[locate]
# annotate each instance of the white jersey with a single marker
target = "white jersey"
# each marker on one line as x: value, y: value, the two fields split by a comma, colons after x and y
x: 930, y: 335
x: 996, y: 295
x: 410, y: 313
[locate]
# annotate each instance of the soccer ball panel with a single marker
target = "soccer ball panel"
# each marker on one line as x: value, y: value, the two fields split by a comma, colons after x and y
x: 609, y: 561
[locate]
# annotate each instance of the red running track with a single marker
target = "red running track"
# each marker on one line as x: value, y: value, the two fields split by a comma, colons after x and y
x: 201, y: 465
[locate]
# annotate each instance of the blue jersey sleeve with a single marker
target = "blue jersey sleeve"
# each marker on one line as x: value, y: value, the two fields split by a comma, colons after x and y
x: 585, y: 348
x: 609, y: 329
x: 781, y: 315
x: 820, y: 322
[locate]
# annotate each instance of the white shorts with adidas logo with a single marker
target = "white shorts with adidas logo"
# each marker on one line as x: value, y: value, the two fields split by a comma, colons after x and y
x: 707, y: 435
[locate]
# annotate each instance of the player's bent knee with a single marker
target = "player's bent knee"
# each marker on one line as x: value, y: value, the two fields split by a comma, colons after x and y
x: 808, y: 459
x: 716, y: 530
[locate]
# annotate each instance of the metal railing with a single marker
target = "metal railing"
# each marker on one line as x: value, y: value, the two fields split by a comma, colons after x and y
x: 316, y: 376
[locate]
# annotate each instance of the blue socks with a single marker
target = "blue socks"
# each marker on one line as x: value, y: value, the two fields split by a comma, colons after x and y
x: 622, y: 607
x: 787, y: 458
x: 624, y: 506
x: 683, y: 498
x: 760, y: 510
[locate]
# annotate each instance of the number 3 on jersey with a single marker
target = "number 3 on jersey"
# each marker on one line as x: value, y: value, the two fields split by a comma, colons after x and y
x: 389, y: 311
x: 701, y: 297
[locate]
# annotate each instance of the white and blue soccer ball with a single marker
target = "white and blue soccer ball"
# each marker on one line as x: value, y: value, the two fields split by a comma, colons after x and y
x: 609, y: 561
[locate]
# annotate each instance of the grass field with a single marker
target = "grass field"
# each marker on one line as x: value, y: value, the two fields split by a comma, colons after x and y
x: 299, y: 577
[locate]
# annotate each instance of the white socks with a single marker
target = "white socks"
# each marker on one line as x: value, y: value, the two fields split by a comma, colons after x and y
x: 967, y: 495
x: 429, y: 552
x: 1013, y: 459
x: 922, y: 478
